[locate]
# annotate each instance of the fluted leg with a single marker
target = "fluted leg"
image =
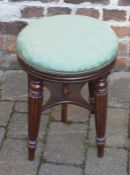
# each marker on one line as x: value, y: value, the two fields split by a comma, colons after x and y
x: 64, y: 106
x: 91, y: 93
x: 34, y: 111
x: 100, y: 113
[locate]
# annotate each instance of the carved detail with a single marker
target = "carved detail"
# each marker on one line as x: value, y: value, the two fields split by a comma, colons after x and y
x: 32, y: 144
x: 100, y: 141
x: 102, y: 87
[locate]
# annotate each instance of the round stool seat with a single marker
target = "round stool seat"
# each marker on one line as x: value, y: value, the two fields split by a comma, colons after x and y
x: 67, y: 44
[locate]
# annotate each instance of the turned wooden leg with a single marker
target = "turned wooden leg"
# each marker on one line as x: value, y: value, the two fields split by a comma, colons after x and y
x: 91, y: 93
x: 35, y: 96
x: 100, y: 113
x: 64, y: 113
x: 64, y: 106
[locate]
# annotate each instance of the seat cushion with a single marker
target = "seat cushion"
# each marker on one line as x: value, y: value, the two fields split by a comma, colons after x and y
x: 67, y: 44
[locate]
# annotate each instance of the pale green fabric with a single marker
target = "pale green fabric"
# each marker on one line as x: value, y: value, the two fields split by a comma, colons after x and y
x: 67, y: 43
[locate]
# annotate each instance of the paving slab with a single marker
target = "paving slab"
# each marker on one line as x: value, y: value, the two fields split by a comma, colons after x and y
x: 113, y: 163
x: 74, y: 113
x: 117, y: 128
x: 51, y: 169
x: 65, y: 143
x: 113, y: 139
x: 15, y: 86
x: 13, y: 159
x: 117, y: 119
x: 5, y: 112
x: 23, y: 107
x: 18, y: 126
x: 119, y: 88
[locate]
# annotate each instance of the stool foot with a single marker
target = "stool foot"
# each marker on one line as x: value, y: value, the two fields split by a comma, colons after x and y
x: 31, y: 154
x: 100, y: 146
x: 100, y: 151
x: 35, y: 88
x: 100, y: 95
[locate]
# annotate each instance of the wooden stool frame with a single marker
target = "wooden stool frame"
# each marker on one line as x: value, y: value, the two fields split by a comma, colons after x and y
x: 65, y: 89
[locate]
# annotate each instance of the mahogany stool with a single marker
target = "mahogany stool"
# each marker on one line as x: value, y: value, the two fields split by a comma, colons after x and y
x: 63, y: 53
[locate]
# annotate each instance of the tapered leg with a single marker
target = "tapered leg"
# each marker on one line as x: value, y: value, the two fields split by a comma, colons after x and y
x: 64, y: 106
x: 91, y: 93
x: 34, y: 111
x: 64, y: 113
x: 100, y: 113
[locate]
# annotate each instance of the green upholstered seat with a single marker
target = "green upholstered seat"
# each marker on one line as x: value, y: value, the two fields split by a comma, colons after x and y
x: 67, y: 44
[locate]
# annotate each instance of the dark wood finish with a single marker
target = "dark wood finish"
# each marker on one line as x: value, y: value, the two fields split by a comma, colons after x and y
x: 64, y: 112
x: 67, y: 78
x: 35, y: 96
x: 73, y: 97
x: 91, y: 86
x: 65, y: 89
x: 100, y: 113
x: 64, y: 105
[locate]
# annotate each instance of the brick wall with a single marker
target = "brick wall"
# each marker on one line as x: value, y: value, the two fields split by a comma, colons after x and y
x: 15, y: 14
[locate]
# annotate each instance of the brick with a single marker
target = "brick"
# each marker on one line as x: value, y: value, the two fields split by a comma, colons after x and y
x: 11, y: 43
x: 29, y: 12
x: 117, y: 15
x: 92, y: 1
x: 88, y: 12
x: 122, y: 31
x: 58, y: 10
x: 124, y: 2
x: 123, y: 48
x: 123, y: 61
x: 12, y: 27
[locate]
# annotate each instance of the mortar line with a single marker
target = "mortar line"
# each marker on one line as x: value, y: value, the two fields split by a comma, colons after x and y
x: 44, y: 144
x: 86, y: 149
x: 6, y: 127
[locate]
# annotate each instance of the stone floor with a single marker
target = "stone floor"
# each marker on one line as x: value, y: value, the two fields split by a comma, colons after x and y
x: 63, y: 149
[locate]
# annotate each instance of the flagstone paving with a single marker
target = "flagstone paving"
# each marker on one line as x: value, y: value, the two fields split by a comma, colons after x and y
x: 63, y: 149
